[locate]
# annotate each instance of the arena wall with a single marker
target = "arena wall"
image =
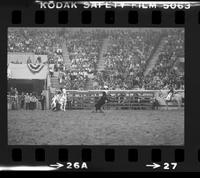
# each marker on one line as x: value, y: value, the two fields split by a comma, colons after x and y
x: 121, y: 99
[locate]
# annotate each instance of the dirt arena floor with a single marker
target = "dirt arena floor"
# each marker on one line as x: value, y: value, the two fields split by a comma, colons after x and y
x: 81, y: 127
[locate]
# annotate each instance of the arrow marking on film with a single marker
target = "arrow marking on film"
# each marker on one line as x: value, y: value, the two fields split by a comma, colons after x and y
x: 26, y: 168
x: 154, y: 165
x: 57, y: 165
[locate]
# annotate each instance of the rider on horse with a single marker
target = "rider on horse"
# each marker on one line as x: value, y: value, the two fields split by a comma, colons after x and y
x: 56, y: 102
x: 170, y: 93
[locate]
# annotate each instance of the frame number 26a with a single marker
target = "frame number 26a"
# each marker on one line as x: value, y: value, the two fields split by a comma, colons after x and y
x: 76, y: 165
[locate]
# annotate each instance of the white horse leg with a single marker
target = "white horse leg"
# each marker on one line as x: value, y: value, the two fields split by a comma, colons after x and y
x: 64, y: 106
x: 61, y: 106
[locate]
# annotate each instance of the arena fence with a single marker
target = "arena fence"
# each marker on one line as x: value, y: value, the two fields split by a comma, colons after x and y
x: 119, y: 99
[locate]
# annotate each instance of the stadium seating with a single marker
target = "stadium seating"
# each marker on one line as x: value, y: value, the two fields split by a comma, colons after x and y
x: 112, y: 59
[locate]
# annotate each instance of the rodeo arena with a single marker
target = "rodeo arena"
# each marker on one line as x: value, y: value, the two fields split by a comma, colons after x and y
x: 95, y: 86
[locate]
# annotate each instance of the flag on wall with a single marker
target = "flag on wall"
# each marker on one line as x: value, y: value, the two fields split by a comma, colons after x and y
x: 35, y: 68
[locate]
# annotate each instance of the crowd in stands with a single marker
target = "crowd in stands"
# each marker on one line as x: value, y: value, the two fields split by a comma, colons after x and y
x: 125, y: 59
x: 75, y: 80
x: 43, y: 42
x: 125, y: 66
x: 130, y: 50
x: 84, y: 48
x: 165, y: 72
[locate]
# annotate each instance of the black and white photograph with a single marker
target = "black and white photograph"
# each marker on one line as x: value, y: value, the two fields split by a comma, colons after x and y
x: 95, y: 86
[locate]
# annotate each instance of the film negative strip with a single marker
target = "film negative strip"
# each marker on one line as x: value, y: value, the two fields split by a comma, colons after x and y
x: 92, y: 86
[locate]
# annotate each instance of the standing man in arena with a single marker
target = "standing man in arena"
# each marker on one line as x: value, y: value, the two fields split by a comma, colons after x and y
x: 42, y: 100
x: 22, y: 98
x: 27, y: 101
x: 155, y: 103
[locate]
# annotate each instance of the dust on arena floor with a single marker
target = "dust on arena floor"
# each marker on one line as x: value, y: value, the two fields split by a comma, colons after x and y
x: 81, y: 127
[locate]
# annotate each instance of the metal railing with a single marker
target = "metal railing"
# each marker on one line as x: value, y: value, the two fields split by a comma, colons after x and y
x: 119, y: 99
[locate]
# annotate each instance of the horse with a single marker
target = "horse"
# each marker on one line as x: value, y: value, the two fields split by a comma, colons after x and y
x: 56, y: 104
x: 164, y: 98
x: 63, y: 101
x: 53, y: 102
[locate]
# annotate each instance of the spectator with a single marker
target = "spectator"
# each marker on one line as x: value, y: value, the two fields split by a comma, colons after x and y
x: 22, y: 99
x: 42, y: 100
x: 34, y: 102
x: 31, y: 102
x: 27, y: 101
